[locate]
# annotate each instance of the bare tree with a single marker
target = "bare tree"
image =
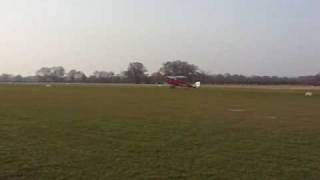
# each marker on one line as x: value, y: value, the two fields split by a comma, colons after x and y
x: 6, y: 77
x: 179, y: 68
x: 103, y: 74
x: 136, y: 72
x: 75, y: 75
x: 51, y: 73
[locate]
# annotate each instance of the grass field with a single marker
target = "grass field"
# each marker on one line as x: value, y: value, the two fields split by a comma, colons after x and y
x: 141, y: 132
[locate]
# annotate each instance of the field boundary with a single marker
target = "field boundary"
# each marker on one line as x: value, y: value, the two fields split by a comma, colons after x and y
x: 237, y: 86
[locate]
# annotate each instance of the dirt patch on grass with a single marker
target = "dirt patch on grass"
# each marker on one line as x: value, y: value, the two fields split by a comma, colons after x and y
x: 271, y: 117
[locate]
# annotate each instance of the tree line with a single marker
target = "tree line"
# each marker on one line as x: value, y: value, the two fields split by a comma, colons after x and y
x: 137, y: 73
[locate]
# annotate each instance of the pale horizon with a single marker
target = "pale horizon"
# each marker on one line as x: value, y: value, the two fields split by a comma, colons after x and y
x: 267, y: 37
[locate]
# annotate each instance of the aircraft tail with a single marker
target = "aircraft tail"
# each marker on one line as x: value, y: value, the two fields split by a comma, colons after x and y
x: 197, y: 84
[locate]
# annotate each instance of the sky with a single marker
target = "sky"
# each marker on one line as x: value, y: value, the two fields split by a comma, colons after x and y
x: 250, y: 37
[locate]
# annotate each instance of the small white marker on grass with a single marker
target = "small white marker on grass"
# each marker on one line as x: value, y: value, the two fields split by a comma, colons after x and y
x: 308, y: 94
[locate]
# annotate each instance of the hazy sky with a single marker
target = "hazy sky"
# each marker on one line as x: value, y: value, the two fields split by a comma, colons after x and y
x: 265, y: 37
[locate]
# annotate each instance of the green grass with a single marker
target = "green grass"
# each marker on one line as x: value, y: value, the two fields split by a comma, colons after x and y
x: 141, y: 132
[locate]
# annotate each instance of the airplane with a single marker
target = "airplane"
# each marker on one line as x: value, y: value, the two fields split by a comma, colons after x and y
x: 179, y: 81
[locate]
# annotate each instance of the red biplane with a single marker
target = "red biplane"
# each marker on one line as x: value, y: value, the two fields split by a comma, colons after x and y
x: 179, y: 81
